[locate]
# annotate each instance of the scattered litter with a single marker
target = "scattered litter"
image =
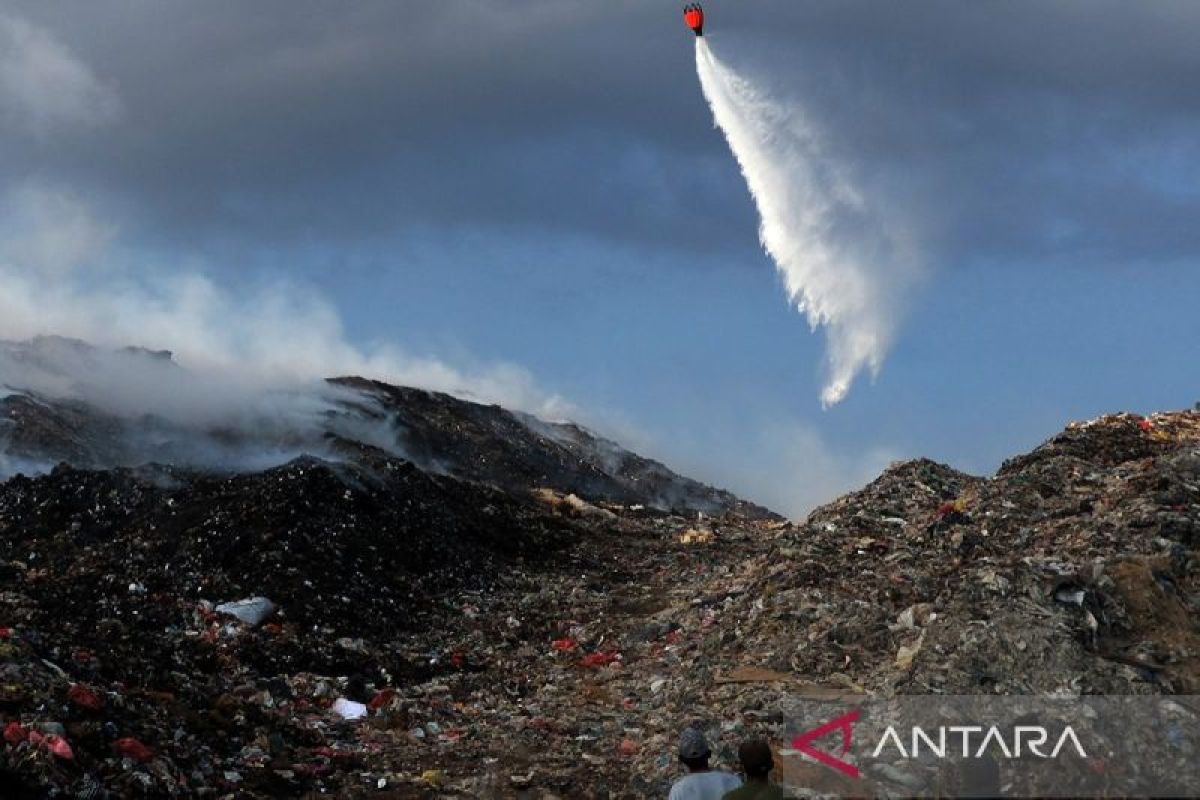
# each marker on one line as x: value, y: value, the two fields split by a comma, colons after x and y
x: 84, y: 697
x: 752, y: 675
x: 349, y: 709
x: 476, y: 641
x: 14, y: 734
x: 131, y: 748
x: 434, y: 777
x: 252, y: 611
x: 599, y: 659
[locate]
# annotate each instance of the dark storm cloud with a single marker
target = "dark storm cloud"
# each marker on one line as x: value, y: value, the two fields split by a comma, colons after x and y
x: 1006, y: 129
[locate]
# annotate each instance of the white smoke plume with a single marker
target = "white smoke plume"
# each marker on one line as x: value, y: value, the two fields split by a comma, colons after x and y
x: 844, y: 263
x: 62, y: 274
x: 245, y: 387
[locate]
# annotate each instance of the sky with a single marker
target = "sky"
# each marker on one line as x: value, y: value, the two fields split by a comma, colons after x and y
x: 528, y: 202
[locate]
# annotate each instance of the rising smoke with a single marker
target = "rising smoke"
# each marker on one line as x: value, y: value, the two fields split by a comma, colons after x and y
x: 844, y: 264
x: 244, y: 384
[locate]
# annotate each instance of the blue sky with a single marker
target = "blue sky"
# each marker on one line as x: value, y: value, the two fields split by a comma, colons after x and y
x: 540, y: 185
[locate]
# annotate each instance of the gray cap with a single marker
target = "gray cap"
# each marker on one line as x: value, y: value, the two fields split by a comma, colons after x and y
x: 692, y: 744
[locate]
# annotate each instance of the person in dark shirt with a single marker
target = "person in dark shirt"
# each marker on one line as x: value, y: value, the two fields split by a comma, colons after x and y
x: 757, y: 762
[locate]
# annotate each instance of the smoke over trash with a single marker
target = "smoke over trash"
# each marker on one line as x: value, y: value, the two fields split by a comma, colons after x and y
x: 844, y: 263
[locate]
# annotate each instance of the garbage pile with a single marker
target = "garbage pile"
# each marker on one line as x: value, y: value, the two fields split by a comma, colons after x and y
x: 519, y: 452
x: 372, y: 630
x: 73, y: 405
x: 184, y: 611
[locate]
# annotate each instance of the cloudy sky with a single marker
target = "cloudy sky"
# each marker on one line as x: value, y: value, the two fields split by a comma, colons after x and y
x: 528, y: 201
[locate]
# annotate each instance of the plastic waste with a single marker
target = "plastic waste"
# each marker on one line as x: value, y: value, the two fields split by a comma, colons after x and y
x: 57, y: 745
x: 14, y: 734
x: 131, y: 748
x: 349, y: 709
x: 599, y: 659
x: 252, y: 611
x: 84, y: 697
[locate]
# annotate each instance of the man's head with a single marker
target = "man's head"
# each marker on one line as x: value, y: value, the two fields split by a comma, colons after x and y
x: 694, y: 750
x: 755, y: 755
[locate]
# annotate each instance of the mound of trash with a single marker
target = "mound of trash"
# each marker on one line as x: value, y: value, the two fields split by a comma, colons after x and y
x: 134, y: 601
x: 65, y: 401
x: 370, y: 629
x: 1071, y: 571
x: 519, y: 452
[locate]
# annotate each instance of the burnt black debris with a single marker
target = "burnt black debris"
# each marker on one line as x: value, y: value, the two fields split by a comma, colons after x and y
x: 519, y: 452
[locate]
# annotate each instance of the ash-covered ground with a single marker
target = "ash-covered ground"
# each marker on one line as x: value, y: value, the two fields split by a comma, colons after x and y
x: 454, y: 600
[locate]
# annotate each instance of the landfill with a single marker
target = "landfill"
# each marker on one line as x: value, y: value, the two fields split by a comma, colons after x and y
x: 374, y: 628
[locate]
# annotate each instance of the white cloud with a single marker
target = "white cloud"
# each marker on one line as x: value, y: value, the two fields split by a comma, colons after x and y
x: 43, y: 85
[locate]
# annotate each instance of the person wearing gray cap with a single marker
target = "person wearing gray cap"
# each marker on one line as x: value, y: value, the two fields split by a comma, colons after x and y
x: 701, y: 783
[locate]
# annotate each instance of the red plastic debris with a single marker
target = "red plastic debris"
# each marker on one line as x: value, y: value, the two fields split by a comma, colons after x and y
x: 84, y: 697
x: 54, y: 743
x: 628, y: 747
x: 599, y: 659
x: 458, y: 660
x: 1145, y: 424
x: 129, y: 747
x: 563, y: 645
x: 14, y: 734
x: 381, y: 699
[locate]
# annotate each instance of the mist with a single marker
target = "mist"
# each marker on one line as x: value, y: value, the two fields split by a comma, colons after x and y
x: 844, y: 262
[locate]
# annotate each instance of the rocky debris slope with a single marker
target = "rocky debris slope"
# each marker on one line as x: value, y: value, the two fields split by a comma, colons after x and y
x: 599, y: 631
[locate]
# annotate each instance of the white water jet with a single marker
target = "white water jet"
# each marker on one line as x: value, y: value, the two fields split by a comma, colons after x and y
x: 842, y: 263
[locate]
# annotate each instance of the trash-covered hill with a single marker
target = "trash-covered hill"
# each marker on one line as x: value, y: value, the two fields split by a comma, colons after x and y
x: 63, y: 400
x: 519, y: 452
x: 367, y: 629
